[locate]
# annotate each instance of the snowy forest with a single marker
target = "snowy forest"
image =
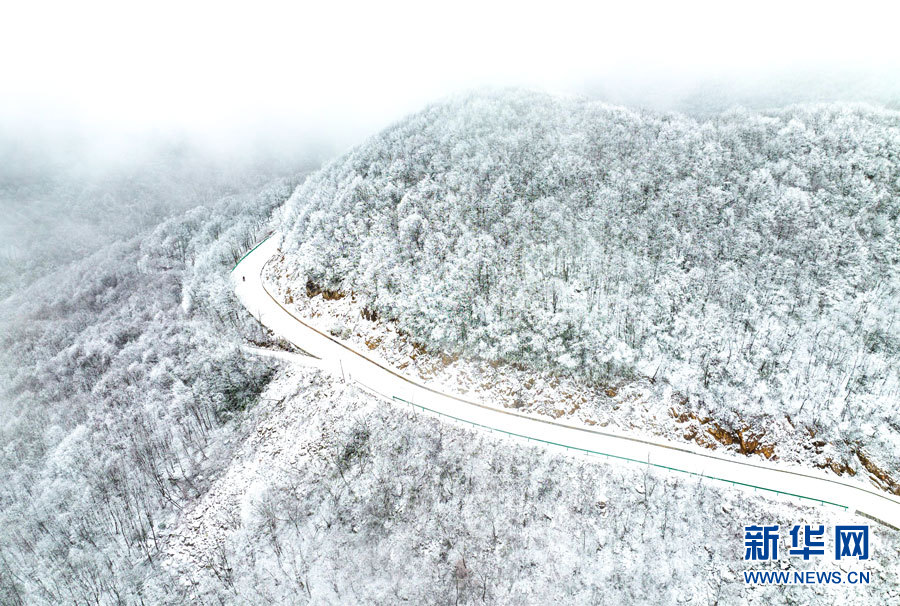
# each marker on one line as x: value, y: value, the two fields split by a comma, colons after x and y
x: 747, y: 259
x: 118, y: 372
x: 63, y: 200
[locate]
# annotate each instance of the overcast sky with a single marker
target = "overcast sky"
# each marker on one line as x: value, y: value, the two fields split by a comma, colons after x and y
x: 343, y: 71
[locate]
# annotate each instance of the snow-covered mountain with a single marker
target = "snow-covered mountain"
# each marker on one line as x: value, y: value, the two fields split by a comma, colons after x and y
x: 747, y: 261
x: 736, y: 270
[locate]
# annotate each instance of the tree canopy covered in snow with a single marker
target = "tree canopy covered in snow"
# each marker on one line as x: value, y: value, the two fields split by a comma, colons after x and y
x: 120, y: 375
x: 61, y: 202
x: 749, y: 259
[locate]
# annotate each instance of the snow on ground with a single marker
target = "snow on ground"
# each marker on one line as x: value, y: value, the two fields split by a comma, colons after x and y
x: 336, y: 497
x: 641, y: 408
x: 282, y: 433
x: 372, y: 372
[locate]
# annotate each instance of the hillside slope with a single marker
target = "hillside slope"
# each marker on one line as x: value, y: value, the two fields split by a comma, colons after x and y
x: 748, y: 261
x: 122, y: 385
x: 338, y: 498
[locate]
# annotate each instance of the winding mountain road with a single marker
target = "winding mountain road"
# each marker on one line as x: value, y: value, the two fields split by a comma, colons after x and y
x: 835, y: 494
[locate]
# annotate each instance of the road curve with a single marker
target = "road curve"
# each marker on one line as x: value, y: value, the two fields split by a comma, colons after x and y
x: 836, y: 495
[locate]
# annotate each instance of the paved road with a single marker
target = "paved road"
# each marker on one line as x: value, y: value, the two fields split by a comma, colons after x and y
x: 834, y: 494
